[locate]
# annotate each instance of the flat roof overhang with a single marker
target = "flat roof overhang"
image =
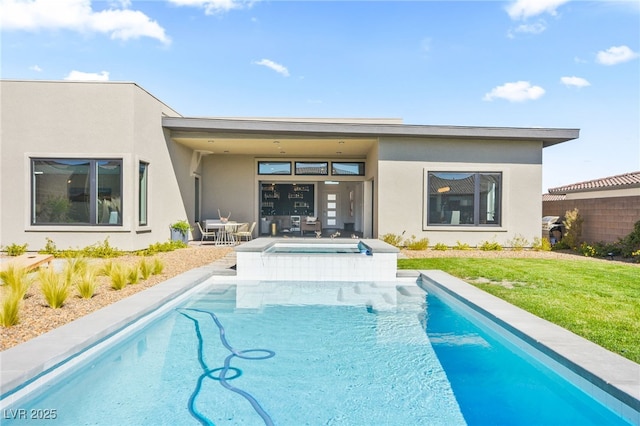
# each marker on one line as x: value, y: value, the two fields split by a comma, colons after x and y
x: 265, y: 137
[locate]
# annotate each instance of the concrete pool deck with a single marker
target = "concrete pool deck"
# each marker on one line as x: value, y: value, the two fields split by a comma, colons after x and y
x: 607, y: 372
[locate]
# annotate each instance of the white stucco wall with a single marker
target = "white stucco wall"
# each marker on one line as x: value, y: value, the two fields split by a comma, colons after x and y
x: 402, y: 191
x: 85, y: 120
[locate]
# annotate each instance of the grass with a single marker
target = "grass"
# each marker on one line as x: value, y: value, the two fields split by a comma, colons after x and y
x: 596, y: 300
x: 54, y: 287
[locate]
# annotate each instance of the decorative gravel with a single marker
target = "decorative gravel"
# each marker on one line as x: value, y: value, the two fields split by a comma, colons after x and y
x: 36, y: 317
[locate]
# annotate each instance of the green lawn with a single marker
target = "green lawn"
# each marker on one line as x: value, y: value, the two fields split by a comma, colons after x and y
x: 599, y: 301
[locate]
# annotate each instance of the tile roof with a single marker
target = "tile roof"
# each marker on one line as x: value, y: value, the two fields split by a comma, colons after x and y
x: 627, y: 180
x: 553, y: 197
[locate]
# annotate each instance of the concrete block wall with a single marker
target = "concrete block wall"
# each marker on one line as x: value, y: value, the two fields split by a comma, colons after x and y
x: 605, y: 219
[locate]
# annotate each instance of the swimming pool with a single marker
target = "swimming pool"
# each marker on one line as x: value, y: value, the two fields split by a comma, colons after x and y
x: 314, y: 353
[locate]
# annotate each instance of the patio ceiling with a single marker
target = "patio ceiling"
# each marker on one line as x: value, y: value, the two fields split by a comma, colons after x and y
x: 275, y: 145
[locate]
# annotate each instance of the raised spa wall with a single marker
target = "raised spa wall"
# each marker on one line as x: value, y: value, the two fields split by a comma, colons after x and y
x: 377, y: 263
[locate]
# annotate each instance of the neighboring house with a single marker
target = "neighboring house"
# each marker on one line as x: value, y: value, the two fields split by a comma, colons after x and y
x: 609, y: 206
x: 83, y: 161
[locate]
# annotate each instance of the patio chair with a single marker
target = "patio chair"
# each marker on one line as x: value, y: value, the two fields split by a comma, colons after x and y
x: 245, y: 231
x: 204, y: 234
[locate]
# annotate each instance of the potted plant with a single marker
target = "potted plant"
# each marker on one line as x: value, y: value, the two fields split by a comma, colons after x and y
x: 180, y: 231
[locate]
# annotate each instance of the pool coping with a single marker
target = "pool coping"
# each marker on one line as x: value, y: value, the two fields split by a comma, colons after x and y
x: 24, y: 362
x: 262, y: 244
x: 612, y: 373
x: 617, y: 376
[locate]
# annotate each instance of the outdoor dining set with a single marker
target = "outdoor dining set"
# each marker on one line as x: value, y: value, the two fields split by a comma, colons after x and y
x: 225, y: 232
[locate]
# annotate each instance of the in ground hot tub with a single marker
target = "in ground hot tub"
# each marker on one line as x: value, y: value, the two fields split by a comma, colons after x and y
x: 289, y: 259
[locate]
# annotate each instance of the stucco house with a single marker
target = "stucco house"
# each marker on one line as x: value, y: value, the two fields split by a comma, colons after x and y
x: 82, y: 161
x: 610, y: 206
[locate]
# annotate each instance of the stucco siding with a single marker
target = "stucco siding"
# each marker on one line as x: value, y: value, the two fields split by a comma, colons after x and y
x: 84, y: 120
x: 402, y: 193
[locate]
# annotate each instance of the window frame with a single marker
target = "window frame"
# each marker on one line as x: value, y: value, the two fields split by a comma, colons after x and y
x: 320, y: 163
x: 93, y: 196
x: 477, y: 204
x: 360, y: 164
x: 143, y: 210
x: 265, y: 163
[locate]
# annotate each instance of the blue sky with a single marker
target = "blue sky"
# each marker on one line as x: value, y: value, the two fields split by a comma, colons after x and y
x: 525, y: 63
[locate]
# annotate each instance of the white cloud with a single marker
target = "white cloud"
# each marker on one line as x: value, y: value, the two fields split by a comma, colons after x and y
x: 523, y: 9
x: 575, y: 82
x: 535, y: 28
x: 87, y: 76
x: 35, y: 68
x: 77, y: 15
x: 212, y: 7
x: 515, y: 92
x: 274, y: 66
x: 615, y: 55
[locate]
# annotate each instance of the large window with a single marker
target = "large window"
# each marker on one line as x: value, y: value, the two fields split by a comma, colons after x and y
x: 143, y: 193
x: 347, y: 169
x: 76, y: 192
x: 465, y: 198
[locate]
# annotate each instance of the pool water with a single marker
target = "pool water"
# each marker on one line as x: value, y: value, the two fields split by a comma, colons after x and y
x: 369, y: 355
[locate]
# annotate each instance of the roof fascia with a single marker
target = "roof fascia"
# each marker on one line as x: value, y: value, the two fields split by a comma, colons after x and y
x: 548, y: 136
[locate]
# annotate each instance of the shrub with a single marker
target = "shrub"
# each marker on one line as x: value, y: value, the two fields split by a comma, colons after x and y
x: 106, y: 268
x: 16, y: 249
x: 17, y: 280
x: 10, y: 309
x: 413, y: 244
x: 133, y: 274
x: 518, y: 242
x: 573, y: 228
x: 490, y: 246
x: 636, y: 256
x: 541, y: 244
x: 441, y: 247
x: 87, y: 284
x: 157, y: 266
x: 146, y: 269
x: 102, y: 250
x: 119, y: 277
x: 393, y: 239
x: 631, y: 243
x: 587, y: 250
x: 54, y: 287
x: 461, y: 246
x: 161, y: 248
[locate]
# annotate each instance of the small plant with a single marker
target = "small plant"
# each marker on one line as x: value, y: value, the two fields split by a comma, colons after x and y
x: 461, y: 246
x: 17, y: 280
x: 490, y: 246
x: 636, y: 256
x: 49, y: 248
x: 87, y: 283
x: 16, y: 249
x: 393, y: 239
x: 541, y: 244
x: 413, y: 244
x: 133, y: 274
x: 440, y: 247
x: 106, y: 268
x: 157, y: 266
x: 10, y: 309
x: 146, y: 269
x: 119, y: 277
x: 181, y: 226
x: 631, y: 243
x: 518, y: 242
x: 54, y: 287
